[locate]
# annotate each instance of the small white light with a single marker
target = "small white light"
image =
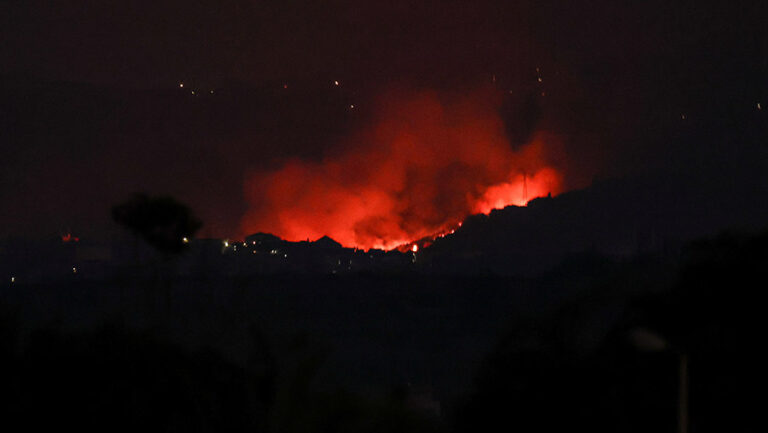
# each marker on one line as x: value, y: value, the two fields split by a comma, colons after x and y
x: 74, y: 270
x: 185, y: 240
x: 335, y: 83
x: 181, y: 85
x: 226, y: 244
x: 13, y: 279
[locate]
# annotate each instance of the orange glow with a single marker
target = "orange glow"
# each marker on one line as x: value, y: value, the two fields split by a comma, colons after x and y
x: 425, y: 163
x: 519, y: 190
x: 69, y: 238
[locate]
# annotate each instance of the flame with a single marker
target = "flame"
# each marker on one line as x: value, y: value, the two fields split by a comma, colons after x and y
x: 69, y: 238
x: 425, y: 164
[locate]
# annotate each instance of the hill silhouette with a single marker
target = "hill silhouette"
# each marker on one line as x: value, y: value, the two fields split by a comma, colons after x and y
x: 614, y: 218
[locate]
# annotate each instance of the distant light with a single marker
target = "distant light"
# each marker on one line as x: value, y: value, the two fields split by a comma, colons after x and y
x: 193, y: 92
x: 13, y: 279
x: 682, y: 116
x: 415, y: 248
x: 352, y: 106
x: 335, y: 83
x: 539, y: 80
x: 185, y: 240
x: 211, y: 92
x: 226, y: 244
x: 74, y: 270
x: 759, y: 107
x: 285, y: 255
x: 69, y: 238
x: 181, y: 85
x: 285, y: 86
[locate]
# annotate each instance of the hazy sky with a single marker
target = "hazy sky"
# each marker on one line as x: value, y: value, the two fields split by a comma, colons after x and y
x: 91, y: 107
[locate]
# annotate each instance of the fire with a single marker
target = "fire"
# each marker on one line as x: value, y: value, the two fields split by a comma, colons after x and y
x: 69, y: 238
x: 426, y: 163
x: 519, y: 190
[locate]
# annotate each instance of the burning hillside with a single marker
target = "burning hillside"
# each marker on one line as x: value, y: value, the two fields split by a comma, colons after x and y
x: 425, y: 164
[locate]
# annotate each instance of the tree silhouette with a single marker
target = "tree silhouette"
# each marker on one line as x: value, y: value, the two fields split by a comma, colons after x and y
x: 163, y: 222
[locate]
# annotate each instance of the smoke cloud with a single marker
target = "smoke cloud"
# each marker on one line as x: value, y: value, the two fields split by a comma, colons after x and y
x: 425, y: 162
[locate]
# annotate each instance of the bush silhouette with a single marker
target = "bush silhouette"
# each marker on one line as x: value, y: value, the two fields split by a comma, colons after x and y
x: 163, y: 222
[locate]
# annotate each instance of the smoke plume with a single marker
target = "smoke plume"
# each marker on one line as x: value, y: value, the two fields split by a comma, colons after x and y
x: 425, y: 163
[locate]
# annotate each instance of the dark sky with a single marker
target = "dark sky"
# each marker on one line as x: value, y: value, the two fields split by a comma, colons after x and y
x: 91, y: 109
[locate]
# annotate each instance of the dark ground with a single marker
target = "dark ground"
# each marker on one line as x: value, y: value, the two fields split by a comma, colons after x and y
x: 394, y: 353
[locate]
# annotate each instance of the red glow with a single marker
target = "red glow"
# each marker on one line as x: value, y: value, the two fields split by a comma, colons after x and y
x: 69, y: 238
x: 424, y: 165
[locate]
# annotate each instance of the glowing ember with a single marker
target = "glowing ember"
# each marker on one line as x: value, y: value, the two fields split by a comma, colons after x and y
x: 69, y: 238
x: 424, y: 165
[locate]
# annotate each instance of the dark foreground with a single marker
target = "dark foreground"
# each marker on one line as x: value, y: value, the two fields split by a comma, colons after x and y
x: 394, y: 353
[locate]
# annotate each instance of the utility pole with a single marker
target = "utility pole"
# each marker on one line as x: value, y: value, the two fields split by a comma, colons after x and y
x: 525, y: 189
x: 648, y: 341
x: 682, y: 410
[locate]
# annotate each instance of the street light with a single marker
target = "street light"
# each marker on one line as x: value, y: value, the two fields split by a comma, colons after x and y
x: 646, y: 340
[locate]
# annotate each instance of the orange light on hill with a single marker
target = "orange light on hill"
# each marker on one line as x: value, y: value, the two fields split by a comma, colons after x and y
x: 426, y: 162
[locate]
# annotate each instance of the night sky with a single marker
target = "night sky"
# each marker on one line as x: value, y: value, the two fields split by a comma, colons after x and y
x: 92, y: 106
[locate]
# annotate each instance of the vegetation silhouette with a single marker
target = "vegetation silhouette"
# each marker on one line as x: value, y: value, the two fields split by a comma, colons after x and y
x: 564, y: 360
x: 714, y: 315
x: 119, y: 380
x: 162, y: 221
x: 541, y: 377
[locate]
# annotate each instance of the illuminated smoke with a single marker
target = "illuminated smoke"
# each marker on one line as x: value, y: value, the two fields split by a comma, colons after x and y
x: 426, y: 163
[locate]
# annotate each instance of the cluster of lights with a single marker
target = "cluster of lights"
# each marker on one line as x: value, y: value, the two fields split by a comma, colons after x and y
x: 193, y: 92
x: 285, y: 86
